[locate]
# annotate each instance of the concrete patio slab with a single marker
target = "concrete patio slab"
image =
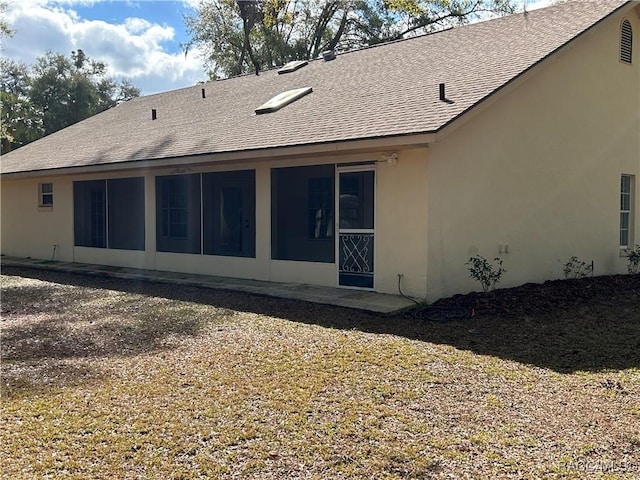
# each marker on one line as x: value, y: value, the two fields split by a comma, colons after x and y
x: 356, y: 299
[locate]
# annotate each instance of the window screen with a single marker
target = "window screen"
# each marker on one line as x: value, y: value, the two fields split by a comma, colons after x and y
x: 109, y: 213
x: 126, y: 213
x: 178, y: 214
x: 228, y: 202
x: 302, y: 213
x: 89, y: 213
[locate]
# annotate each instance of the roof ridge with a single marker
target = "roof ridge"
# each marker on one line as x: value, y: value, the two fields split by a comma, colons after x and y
x: 511, y: 17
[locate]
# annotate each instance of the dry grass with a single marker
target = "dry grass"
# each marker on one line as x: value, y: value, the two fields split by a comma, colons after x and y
x: 114, y: 379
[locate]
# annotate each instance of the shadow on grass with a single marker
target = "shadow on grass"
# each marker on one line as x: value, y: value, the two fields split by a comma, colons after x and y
x: 38, y: 377
x: 597, y: 335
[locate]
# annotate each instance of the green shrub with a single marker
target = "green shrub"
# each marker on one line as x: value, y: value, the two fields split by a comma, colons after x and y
x: 484, y: 272
x: 633, y: 256
x: 575, y: 268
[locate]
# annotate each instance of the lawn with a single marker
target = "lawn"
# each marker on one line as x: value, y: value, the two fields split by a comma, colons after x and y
x: 114, y: 379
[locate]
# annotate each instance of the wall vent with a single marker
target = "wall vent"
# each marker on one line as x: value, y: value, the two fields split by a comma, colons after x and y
x: 283, y: 99
x: 292, y: 66
x: 626, y: 42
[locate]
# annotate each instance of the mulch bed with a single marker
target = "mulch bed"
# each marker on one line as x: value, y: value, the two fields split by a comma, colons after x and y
x: 545, y: 297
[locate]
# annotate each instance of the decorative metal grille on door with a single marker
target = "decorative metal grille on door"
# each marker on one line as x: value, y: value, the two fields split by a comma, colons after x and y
x: 356, y: 260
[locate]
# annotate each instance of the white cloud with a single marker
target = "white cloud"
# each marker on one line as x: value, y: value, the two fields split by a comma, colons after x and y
x: 136, y: 25
x: 133, y: 49
x: 536, y: 4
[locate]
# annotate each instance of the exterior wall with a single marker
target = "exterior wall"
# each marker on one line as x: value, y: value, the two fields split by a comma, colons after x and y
x: 28, y: 231
x: 32, y: 231
x: 539, y: 170
x: 401, y: 224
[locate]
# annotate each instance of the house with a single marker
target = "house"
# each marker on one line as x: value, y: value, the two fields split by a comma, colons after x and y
x: 517, y: 137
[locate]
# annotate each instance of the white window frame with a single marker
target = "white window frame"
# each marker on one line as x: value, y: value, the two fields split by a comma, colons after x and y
x: 42, y: 194
x: 626, y: 210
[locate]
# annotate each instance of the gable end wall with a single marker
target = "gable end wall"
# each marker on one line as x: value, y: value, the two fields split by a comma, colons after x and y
x: 539, y: 170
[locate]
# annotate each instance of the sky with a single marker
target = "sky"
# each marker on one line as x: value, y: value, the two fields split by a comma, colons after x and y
x: 139, y: 40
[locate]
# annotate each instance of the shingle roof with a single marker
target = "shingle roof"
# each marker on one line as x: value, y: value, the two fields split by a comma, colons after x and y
x: 387, y: 90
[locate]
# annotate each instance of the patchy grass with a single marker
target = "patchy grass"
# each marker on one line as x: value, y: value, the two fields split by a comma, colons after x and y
x: 114, y: 379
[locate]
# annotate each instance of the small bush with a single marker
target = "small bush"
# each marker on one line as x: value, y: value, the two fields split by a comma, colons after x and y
x: 576, y: 268
x: 634, y: 260
x: 484, y: 272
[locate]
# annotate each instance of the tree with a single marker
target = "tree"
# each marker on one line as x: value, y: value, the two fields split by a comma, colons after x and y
x: 239, y: 36
x: 18, y: 120
x: 21, y: 122
x: 57, y: 91
x: 5, y: 29
x: 69, y: 89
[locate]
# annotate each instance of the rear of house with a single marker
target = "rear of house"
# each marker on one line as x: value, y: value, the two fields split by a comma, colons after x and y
x: 396, y: 167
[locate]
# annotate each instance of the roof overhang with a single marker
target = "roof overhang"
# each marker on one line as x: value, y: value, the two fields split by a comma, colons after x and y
x: 226, y: 158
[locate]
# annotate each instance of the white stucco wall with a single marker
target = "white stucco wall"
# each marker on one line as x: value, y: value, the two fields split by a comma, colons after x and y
x: 31, y: 231
x: 539, y: 170
x: 401, y: 224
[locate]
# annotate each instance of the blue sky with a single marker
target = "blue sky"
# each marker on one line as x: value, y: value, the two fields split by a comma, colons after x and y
x: 165, y: 12
x: 138, y: 39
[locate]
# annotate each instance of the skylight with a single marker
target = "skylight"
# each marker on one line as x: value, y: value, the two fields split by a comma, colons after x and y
x: 292, y: 66
x: 282, y: 99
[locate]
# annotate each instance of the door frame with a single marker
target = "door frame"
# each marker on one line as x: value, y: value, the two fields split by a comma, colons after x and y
x: 367, y: 167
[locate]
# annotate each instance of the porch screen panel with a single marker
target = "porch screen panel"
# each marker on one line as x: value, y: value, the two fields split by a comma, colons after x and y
x: 126, y: 213
x: 228, y: 206
x: 302, y: 213
x: 89, y: 214
x: 178, y: 214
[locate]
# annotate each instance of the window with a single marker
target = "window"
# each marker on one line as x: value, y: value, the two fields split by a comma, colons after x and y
x: 302, y: 213
x: 321, y: 207
x: 175, y: 208
x: 626, y: 217
x: 626, y: 42
x: 45, y: 195
x: 109, y: 213
x: 178, y: 214
x: 355, y: 211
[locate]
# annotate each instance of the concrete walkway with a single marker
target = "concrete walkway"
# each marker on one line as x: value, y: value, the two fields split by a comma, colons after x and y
x: 357, y: 299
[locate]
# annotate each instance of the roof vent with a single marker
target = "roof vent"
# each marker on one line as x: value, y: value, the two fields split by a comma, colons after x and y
x: 204, y: 93
x: 443, y: 95
x: 329, y: 55
x: 283, y: 99
x: 154, y: 114
x: 292, y: 66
